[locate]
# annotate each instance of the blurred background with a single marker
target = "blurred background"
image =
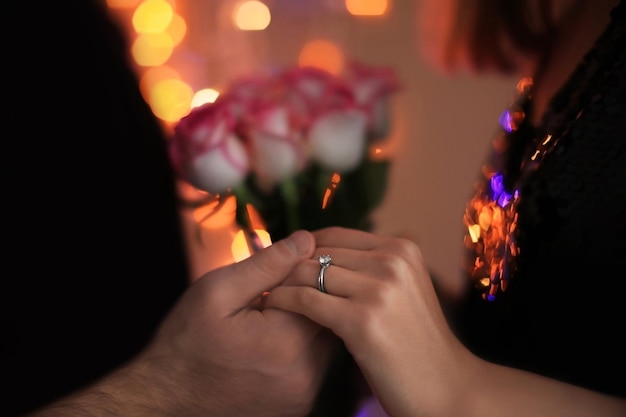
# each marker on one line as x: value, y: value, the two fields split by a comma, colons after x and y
x: 187, y: 51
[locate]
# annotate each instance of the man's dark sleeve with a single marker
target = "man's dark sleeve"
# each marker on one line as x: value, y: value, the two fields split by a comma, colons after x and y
x: 93, y: 250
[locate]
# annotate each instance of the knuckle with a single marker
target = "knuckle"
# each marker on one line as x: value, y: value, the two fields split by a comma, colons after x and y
x: 395, y: 268
x: 407, y: 249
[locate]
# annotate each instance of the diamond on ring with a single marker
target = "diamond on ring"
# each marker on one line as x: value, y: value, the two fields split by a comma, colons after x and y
x: 324, y: 261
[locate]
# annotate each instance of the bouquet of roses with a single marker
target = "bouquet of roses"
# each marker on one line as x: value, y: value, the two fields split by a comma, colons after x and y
x: 296, y: 145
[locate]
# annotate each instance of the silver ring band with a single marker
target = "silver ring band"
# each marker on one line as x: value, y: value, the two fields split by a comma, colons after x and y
x: 325, y: 261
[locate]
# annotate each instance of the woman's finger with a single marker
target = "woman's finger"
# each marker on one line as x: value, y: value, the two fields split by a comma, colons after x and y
x: 348, y: 270
x: 326, y: 309
x: 370, y: 244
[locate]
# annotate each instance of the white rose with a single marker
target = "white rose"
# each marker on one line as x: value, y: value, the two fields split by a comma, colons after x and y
x: 206, y: 151
x: 220, y: 167
x: 337, y: 139
x: 277, y: 151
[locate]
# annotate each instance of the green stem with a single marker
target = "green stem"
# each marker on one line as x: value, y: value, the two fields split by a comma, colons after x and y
x: 242, y: 217
x: 289, y: 193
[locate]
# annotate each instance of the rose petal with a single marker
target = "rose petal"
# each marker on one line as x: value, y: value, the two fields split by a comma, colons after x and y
x: 275, y: 158
x: 337, y: 139
x: 220, y: 168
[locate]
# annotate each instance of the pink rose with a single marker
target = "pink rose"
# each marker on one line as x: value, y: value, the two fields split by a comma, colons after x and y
x: 269, y: 127
x: 312, y: 91
x: 372, y: 88
x: 276, y: 148
x: 337, y: 139
x: 207, y: 152
x: 335, y: 127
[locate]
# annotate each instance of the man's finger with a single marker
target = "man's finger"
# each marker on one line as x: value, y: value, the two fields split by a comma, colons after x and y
x: 346, y: 238
x: 247, y: 279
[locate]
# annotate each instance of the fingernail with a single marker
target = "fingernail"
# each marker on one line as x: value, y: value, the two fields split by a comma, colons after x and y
x: 299, y: 242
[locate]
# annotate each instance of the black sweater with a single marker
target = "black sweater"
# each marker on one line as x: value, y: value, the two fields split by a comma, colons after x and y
x: 564, y: 312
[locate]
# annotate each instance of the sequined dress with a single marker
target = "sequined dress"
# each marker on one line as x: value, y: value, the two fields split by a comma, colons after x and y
x: 563, y: 311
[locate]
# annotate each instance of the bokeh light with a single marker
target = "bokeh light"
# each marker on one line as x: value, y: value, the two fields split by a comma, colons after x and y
x: 367, y: 7
x: 170, y: 99
x: 152, y: 16
x: 239, y: 247
x: 322, y: 54
x: 206, y: 95
x: 154, y: 75
x: 177, y: 29
x: 251, y: 15
x: 152, y: 49
x: 159, y: 30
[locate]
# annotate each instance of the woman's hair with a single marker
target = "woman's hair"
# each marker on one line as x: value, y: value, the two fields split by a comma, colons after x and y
x: 493, y: 34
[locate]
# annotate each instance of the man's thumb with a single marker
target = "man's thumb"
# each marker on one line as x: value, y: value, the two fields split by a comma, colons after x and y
x: 267, y: 268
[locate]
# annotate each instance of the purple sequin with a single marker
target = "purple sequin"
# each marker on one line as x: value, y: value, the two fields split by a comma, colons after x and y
x: 497, y: 190
x: 506, y: 121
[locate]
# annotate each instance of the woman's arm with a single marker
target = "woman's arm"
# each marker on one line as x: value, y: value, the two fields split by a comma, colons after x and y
x: 380, y: 300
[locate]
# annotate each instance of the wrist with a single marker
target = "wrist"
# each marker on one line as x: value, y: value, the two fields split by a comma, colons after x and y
x: 461, y: 385
x: 137, y: 389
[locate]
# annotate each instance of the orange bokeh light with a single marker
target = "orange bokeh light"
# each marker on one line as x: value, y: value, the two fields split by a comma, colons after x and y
x: 367, y: 7
x: 322, y: 54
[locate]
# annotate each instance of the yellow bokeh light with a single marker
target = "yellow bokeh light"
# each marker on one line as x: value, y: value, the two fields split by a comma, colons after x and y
x: 367, y: 7
x: 153, y: 75
x: 485, y: 282
x: 152, y: 16
x: 170, y: 99
x: 152, y: 49
x: 177, y: 29
x: 251, y: 15
x: 239, y: 247
x: 322, y: 54
x: 206, y: 95
x: 474, y: 232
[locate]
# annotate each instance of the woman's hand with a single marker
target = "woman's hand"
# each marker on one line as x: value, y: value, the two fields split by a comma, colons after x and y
x: 381, y: 302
